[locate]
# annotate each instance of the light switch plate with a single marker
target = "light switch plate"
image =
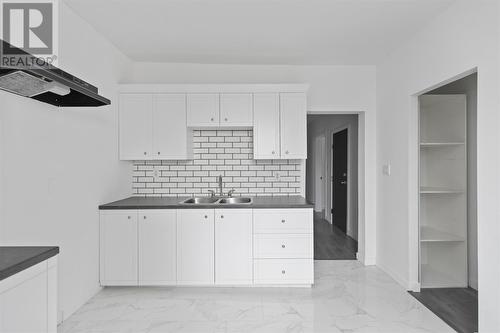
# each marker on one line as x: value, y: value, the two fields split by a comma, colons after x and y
x: 386, y: 169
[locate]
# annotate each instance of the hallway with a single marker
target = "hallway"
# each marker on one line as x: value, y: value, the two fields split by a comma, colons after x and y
x: 331, y: 243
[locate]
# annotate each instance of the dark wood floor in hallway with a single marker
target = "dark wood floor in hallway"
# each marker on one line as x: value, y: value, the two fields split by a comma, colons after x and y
x: 456, y: 306
x: 331, y: 243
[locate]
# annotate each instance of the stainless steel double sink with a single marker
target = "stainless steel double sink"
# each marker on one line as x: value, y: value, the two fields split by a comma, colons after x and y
x: 217, y: 201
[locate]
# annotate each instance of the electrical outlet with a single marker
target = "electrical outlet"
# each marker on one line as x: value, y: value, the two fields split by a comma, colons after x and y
x: 277, y: 175
x: 156, y: 172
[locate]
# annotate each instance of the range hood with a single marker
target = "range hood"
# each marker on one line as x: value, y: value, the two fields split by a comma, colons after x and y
x: 49, y: 84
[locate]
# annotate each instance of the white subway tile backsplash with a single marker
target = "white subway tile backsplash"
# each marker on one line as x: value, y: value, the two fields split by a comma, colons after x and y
x: 227, y: 153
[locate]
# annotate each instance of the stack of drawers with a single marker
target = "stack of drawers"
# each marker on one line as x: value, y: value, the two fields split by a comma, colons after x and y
x: 283, y: 246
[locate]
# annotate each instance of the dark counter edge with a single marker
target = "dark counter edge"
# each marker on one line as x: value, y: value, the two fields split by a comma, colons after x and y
x: 32, y: 261
x: 121, y: 205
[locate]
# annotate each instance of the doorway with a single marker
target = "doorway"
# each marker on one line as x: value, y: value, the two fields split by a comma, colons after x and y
x: 332, y: 184
x: 448, y: 256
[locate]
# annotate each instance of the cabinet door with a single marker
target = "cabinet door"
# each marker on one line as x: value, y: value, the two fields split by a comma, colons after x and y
x: 195, y: 246
x: 118, y: 247
x: 24, y: 301
x: 136, y: 138
x: 233, y: 246
x: 266, y: 122
x: 157, y: 247
x: 293, y: 125
x: 236, y: 110
x: 203, y: 110
x: 171, y: 137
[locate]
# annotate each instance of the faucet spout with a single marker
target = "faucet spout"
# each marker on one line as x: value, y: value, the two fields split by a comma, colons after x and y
x: 220, y: 185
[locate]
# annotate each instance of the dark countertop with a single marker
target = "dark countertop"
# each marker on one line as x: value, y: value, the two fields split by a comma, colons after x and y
x: 14, y: 259
x: 174, y: 203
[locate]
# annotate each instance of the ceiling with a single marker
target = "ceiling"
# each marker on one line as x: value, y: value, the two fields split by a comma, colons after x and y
x: 310, y: 32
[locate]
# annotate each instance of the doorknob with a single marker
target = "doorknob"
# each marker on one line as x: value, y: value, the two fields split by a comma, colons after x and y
x: 343, y: 182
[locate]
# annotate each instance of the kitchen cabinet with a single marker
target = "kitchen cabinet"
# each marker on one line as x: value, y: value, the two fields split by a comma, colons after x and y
x: 118, y: 247
x: 219, y: 110
x: 198, y: 246
x: 293, y: 125
x: 154, y: 127
x: 28, y: 299
x: 203, y: 110
x: 266, y: 122
x: 283, y: 246
x: 280, y: 126
x: 195, y: 246
x: 233, y: 246
x: 236, y: 110
x: 157, y: 247
x: 136, y: 136
x: 172, y: 140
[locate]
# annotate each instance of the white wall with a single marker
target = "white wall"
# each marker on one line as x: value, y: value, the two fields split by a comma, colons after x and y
x: 337, y: 89
x: 60, y: 164
x: 324, y: 125
x: 468, y: 86
x: 462, y: 38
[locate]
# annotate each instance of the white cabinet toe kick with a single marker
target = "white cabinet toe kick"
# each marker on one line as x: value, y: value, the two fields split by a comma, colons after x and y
x: 207, y: 247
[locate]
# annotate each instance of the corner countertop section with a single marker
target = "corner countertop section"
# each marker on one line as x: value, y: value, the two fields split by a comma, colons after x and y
x: 14, y: 259
x: 174, y: 203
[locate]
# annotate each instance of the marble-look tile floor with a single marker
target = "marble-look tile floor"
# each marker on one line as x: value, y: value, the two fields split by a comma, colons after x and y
x: 346, y: 297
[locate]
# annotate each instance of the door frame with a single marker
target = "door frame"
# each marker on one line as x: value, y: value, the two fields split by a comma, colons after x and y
x: 324, y: 168
x: 413, y: 283
x: 367, y: 172
x: 330, y: 172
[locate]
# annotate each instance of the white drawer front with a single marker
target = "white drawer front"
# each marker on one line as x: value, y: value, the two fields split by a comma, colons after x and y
x: 269, y: 246
x: 283, y: 271
x: 292, y: 221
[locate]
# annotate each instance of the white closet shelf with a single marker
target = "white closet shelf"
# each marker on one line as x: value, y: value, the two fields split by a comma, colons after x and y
x: 433, y: 278
x: 429, y: 234
x: 440, y: 144
x: 439, y: 190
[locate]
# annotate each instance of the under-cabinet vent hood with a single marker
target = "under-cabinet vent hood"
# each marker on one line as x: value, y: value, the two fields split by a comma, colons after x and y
x: 49, y: 84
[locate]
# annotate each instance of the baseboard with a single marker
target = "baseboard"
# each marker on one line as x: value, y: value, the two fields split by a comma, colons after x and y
x: 367, y: 261
x: 403, y: 282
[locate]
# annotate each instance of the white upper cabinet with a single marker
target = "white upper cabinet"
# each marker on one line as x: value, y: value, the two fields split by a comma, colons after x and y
x: 153, y: 126
x: 293, y: 124
x: 135, y: 126
x: 157, y: 247
x: 266, y: 122
x: 171, y: 137
x: 233, y: 246
x: 236, y: 110
x: 203, y: 110
x: 280, y: 126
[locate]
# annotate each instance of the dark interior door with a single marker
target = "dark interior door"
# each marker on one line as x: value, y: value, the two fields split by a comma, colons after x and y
x: 339, y: 180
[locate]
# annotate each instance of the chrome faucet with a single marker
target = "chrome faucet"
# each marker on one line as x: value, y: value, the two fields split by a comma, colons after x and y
x: 220, y: 186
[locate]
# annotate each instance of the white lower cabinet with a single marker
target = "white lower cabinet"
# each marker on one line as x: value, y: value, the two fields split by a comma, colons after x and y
x: 283, y: 271
x: 28, y: 299
x: 195, y: 246
x: 118, y: 248
x: 233, y: 246
x: 157, y: 247
x: 283, y: 246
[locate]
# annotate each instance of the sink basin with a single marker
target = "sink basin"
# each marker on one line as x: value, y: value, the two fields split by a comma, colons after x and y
x: 236, y: 200
x: 200, y: 201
